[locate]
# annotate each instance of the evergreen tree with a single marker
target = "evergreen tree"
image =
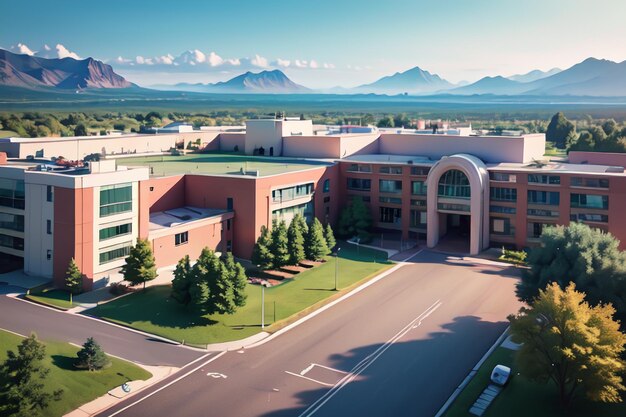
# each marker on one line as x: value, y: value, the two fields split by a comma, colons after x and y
x: 140, y: 264
x: 237, y: 276
x: 279, y: 243
x: 295, y: 242
x: 331, y: 242
x: 315, y: 244
x: 583, y: 143
x: 301, y: 224
x: 576, y: 346
x: 73, y: 278
x: 261, y: 254
x: 558, y: 129
x: 92, y: 357
x: 182, y: 281
x: 221, y: 295
x: 22, y: 374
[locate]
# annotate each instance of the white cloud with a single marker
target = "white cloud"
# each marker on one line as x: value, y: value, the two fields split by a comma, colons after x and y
x: 144, y: 61
x: 313, y: 64
x: 20, y: 48
x: 259, y: 61
x: 214, y: 59
x: 165, y: 59
x: 284, y: 63
x: 300, y: 63
x: 63, y: 52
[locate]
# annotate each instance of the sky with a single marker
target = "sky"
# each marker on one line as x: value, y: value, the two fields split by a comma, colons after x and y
x: 317, y: 43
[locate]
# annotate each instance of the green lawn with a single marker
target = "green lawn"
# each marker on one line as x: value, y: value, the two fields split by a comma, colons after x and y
x: 523, y: 398
x: 52, y: 297
x: 155, y: 312
x: 7, y: 133
x: 79, y: 386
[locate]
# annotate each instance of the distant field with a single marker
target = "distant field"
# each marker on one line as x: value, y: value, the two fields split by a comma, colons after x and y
x: 7, y: 133
x: 218, y: 164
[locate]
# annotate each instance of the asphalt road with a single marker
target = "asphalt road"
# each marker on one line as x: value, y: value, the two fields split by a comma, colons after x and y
x: 24, y: 317
x: 398, y: 348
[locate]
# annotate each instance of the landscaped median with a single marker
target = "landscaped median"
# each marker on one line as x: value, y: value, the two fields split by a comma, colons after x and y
x: 154, y: 311
x: 51, y: 297
x: 523, y: 398
x: 79, y: 386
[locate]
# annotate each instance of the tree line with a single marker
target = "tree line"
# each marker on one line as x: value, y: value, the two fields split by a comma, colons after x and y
x: 586, y: 135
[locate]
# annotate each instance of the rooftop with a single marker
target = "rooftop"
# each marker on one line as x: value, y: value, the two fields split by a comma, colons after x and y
x: 222, y: 164
x: 390, y: 159
x: 181, y: 215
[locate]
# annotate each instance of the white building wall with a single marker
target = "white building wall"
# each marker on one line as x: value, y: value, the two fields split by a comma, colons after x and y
x: 39, y: 245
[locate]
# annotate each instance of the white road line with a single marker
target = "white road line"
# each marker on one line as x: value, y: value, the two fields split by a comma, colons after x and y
x: 171, y: 382
x: 307, y: 369
x: 370, y: 359
x: 310, y: 379
x: 330, y: 369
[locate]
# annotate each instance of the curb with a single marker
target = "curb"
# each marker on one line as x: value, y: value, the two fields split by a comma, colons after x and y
x: 471, y: 374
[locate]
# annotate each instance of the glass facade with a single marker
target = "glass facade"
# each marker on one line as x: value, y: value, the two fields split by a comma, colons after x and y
x: 114, y: 253
x: 359, y: 168
x: 503, y: 194
x: 418, y: 187
x: 589, y: 217
x: 116, y: 199
x: 590, y: 182
x: 589, y: 201
x: 114, y: 231
x: 390, y: 170
x: 12, y: 221
x: 292, y: 193
x: 502, y: 177
x: 11, y: 242
x: 551, y: 198
x: 390, y: 186
x: 454, y: 184
x: 359, y: 184
x: 288, y: 213
x: 544, y: 179
x: 12, y: 193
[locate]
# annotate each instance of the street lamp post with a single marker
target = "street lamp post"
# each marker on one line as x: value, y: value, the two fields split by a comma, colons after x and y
x: 262, y: 306
x: 336, y: 267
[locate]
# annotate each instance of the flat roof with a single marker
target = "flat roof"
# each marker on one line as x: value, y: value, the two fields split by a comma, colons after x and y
x: 181, y: 215
x: 222, y: 164
x: 390, y: 159
x: 558, y: 167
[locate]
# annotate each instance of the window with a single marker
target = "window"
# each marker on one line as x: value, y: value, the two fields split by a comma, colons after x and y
x: 589, y: 217
x: 49, y: 227
x: 544, y: 179
x: 390, y: 170
x: 359, y: 184
x: 151, y: 188
x: 114, y: 253
x: 550, y: 198
x: 229, y: 246
x: 501, y: 226
x: 418, y: 203
x: 12, y: 193
x: 391, y: 200
x: 49, y: 193
x: 390, y: 186
x: 116, y: 199
x: 114, y: 231
x: 533, y: 229
x: 228, y: 224
x: 48, y: 254
x: 291, y: 193
x: 288, y: 213
x: 453, y: 207
x: 11, y: 242
x: 503, y: 194
x: 589, y: 201
x: 454, y: 184
x: 390, y: 215
x: 590, y: 182
x: 502, y: 209
x: 502, y: 177
x: 326, y: 199
x: 326, y: 187
x: 181, y: 238
x: 418, y: 219
x: 12, y: 222
x: 229, y: 203
x: 418, y: 187
x: 359, y: 168
x: 543, y: 213
x: 419, y: 170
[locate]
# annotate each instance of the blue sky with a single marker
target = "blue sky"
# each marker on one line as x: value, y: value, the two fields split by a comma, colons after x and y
x: 318, y: 43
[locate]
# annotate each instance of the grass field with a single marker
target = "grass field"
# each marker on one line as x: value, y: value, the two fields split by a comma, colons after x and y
x: 79, y: 386
x: 155, y: 312
x: 219, y: 164
x: 7, y: 133
x: 523, y: 398
x: 52, y: 297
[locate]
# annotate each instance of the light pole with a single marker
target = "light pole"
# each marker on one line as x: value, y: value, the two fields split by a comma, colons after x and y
x: 262, y: 306
x: 336, y: 267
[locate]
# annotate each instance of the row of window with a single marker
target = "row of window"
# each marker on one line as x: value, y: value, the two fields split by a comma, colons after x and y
x: 12, y: 222
x: 551, y: 180
x: 394, y: 170
x: 115, y: 231
x: 12, y: 193
x: 292, y: 193
x: 113, y: 254
x: 116, y: 199
x: 11, y: 242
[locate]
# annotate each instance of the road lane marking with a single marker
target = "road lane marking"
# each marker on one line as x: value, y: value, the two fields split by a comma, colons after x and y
x: 216, y: 375
x: 171, y: 382
x: 326, y: 384
x: 367, y: 361
x: 330, y: 369
x: 307, y: 369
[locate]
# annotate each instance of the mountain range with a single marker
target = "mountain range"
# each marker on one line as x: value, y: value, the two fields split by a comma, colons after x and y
x: 591, y: 77
x: 26, y: 71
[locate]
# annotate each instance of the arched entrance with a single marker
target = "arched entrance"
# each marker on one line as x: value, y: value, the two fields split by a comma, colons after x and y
x: 456, y: 205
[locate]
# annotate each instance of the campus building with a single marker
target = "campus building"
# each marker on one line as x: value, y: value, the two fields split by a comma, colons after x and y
x: 448, y: 188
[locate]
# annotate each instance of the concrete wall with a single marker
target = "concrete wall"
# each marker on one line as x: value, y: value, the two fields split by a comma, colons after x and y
x: 490, y: 149
x: 359, y: 144
x: 230, y: 140
x: 597, y: 158
x: 266, y: 134
x: 312, y: 146
x: 38, y: 242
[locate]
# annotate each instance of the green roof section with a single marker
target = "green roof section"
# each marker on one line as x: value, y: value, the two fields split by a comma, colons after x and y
x: 221, y: 164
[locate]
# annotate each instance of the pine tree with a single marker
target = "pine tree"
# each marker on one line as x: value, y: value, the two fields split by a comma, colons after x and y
x: 182, y: 281
x: 331, y: 242
x: 140, y: 264
x: 22, y: 374
x: 295, y: 242
x: 576, y: 346
x: 73, y: 278
x: 279, y: 246
x: 261, y: 254
x: 92, y: 357
x: 238, y: 279
x: 221, y: 297
x: 315, y: 244
x: 301, y: 223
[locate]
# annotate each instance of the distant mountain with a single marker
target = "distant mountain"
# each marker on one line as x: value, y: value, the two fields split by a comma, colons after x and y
x: 491, y: 85
x: 534, y: 75
x: 272, y: 82
x: 67, y: 73
x: 415, y: 80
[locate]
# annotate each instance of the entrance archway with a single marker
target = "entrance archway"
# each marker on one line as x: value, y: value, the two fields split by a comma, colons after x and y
x: 457, y: 199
